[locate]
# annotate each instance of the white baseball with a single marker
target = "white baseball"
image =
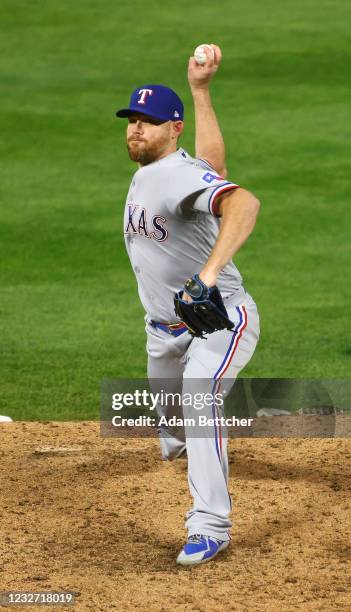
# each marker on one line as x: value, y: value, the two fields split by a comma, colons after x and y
x: 200, y: 54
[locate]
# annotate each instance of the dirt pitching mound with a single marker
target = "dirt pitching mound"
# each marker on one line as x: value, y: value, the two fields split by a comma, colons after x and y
x: 104, y: 518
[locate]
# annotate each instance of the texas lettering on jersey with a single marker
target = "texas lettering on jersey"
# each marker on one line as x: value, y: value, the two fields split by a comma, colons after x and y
x: 138, y: 223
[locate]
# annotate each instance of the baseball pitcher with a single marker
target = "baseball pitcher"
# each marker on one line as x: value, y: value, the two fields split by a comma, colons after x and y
x: 184, y: 221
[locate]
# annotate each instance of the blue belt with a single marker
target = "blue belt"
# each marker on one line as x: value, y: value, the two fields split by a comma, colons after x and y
x: 174, y: 329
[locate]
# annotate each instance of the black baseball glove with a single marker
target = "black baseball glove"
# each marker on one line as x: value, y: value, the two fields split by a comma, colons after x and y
x: 206, y: 312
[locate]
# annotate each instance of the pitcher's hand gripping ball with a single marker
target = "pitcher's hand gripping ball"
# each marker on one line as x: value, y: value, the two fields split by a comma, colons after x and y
x: 200, y: 53
x: 206, y: 312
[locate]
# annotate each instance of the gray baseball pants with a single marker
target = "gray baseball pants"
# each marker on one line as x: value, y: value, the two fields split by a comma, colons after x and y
x: 190, y: 365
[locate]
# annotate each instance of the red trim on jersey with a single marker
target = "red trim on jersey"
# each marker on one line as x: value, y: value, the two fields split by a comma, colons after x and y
x: 215, y: 203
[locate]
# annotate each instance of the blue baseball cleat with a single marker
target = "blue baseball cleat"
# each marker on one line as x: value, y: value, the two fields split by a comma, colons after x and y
x: 200, y: 548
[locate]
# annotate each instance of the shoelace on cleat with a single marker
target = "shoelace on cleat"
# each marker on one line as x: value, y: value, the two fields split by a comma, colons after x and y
x: 195, y: 539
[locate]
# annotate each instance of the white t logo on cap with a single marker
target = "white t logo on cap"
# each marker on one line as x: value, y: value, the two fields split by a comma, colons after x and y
x: 144, y: 93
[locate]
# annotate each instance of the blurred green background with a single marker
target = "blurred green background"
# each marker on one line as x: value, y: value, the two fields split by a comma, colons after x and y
x: 70, y: 315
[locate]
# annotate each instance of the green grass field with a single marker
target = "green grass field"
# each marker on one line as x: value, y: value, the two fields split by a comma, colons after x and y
x: 70, y: 314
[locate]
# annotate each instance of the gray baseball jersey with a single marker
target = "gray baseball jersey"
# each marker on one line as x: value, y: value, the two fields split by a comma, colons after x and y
x: 171, y: 226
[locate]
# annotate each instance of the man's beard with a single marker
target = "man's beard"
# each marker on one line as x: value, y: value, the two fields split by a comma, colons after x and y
x: 144, y: 155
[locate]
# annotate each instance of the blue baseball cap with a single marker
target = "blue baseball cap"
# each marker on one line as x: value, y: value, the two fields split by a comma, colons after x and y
x: 157, y: 101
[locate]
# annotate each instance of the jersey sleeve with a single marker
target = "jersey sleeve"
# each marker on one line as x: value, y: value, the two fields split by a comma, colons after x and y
x: 198, y: 187
x: 208, y: 200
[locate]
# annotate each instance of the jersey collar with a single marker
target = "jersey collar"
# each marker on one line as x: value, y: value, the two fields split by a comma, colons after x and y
x: 179, y: 153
